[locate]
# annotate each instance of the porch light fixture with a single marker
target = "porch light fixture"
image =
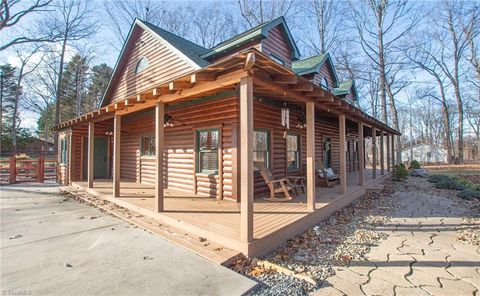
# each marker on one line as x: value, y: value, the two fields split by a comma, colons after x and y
x: 167, y: 120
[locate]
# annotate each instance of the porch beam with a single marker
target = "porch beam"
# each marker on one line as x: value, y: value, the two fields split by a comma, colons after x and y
x: 382, y: 154
x: 159, y: 148
x: 90, y: 151
x: 311, y: 197
x: 388, y: 152
x: 361, y: 155
x: 246, y: 156
x: 374, y: 152
x: 343, y: 160
x: 117, y: 126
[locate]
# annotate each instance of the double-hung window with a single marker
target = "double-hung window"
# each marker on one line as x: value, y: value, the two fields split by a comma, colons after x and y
x: 147, y: 145
x: 293, y: 152
x: 207, y: 151
x: 63, y: 151
x: 261, y: 147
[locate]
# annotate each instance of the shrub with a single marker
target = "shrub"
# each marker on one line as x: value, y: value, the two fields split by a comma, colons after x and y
x: 399, y: 172
x: 451, y: 183
x: 414, y: 165
x: 438, y: 178
x: 469, y: 194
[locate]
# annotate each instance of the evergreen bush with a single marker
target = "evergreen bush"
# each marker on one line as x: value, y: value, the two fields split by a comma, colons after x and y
x: 399, y: 172
x: 414, y: 165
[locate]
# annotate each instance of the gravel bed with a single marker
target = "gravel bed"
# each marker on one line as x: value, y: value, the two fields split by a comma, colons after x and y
x: 345, y: 236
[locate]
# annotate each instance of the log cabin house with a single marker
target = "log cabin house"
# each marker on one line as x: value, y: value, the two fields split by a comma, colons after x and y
x: 180, y: 127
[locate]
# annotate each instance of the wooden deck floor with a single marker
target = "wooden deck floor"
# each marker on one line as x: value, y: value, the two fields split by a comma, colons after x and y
x: 222, y: 217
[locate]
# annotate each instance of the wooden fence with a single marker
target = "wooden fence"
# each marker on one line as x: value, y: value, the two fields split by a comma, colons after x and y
x: 16, y: 170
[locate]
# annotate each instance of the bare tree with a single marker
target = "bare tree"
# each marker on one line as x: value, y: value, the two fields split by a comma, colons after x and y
x: 211, y: 24
x: 381, y: 26
x: 378, y: 25
x: 327, y: 25
x: 41, y: 88
x: 452, y: 43
x: 154, y: 12
x: 27, y: 65
x: 73, y: 20
x: 255, y: 12
x: 11, y: 14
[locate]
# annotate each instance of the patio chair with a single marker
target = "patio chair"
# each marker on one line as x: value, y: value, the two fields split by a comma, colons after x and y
x: 326, y: 177
x: 282, y: 185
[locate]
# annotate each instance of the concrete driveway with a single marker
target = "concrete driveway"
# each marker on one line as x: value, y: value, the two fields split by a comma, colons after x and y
x: 56, y: 246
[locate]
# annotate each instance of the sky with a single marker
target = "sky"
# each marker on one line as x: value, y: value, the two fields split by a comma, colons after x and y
x: 104, y: 51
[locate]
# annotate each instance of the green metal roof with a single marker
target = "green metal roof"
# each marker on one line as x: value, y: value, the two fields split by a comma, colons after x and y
x: 309, y: 65
x: 188, y: 48
x: 343, y: 88
x: 255, y: 33
x: 313, y: 65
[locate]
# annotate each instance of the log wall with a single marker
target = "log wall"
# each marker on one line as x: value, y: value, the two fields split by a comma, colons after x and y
x: 179, y: 152
x: 276, y: 43
x: 163, y: 65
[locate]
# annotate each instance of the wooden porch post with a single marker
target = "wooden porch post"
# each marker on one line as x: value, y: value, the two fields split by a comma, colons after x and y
x: 361, y: 156
x: 393, y: 150
x: 246, y: 159
x: 382, y: 154
x: 117, y: 126
x: 310, y: 106
x: 90, y: 151
x: 388, y: 152
x: 343, y: 160
x: 159, y: 148
x: 374, y: 152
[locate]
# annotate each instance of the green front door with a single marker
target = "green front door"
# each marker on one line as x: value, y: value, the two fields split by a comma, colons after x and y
x: 100, y: 158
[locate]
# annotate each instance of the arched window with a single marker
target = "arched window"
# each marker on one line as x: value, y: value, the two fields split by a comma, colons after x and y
x: 142, y: 64
x: 324, y: 83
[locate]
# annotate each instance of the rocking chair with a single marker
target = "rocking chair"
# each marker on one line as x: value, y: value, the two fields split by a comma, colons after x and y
x: 282, y: 185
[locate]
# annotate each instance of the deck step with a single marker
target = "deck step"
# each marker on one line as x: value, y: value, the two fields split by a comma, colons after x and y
x: 201, y: 246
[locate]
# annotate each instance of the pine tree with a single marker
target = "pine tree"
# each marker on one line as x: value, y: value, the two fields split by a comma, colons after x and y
x: 100, y: 78
x: 73, y: 88
x: 8, y: 89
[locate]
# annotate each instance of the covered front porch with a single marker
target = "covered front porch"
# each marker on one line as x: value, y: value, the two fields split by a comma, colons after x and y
x: 219, y: 220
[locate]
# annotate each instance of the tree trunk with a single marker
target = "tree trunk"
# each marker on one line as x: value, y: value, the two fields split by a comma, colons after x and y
x: 57, y: 93
x: 393, y: 111
x: 15, y: 110
x: 460, y: 124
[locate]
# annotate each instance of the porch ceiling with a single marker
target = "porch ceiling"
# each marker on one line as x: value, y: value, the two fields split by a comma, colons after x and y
x: 271, y: 80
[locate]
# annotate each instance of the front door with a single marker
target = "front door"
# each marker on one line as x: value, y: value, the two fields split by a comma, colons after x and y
x: 327, y: 152
x: 100, y: 158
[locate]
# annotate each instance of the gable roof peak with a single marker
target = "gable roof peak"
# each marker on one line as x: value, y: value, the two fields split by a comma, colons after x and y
x: 256, y: 33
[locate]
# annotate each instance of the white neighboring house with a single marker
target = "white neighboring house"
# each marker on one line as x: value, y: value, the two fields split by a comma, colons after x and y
x: 425, y: 153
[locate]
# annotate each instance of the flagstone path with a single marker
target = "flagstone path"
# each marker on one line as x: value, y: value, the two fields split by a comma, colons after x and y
x: 421, y: 256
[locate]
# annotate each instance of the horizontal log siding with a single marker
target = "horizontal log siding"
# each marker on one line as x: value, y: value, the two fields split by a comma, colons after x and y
x: 277, y: 44
x: 179, y: 147
x: 326, y: 72
x: 163, y: 66
x: 62, y: 168
x: 269, y: 117
x: 80, y: 132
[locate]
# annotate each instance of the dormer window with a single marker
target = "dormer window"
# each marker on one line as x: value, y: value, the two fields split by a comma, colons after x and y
x: 324, y: 83
x: 277, y: 59
x: 142, y: 64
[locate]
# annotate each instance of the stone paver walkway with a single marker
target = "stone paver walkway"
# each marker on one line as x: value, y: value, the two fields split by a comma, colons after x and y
x: 421, y: 255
